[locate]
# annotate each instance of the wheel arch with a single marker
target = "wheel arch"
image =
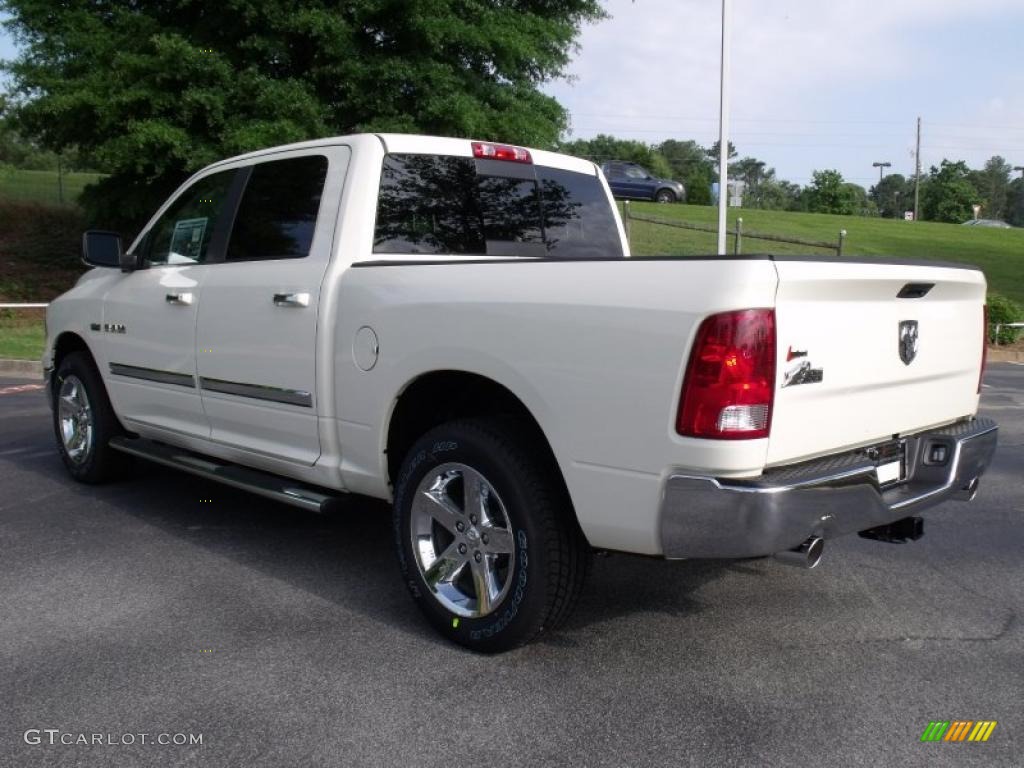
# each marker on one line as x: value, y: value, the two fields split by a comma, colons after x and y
x: 433, y: 398
x: 66, y: 343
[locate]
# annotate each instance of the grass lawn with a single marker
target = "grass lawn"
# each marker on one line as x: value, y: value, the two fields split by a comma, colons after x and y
x: 42, y: 186
x: 21, y: 338
x: 999, y: 252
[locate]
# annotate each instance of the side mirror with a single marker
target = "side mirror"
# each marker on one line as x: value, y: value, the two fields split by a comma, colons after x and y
x: 102, y: 249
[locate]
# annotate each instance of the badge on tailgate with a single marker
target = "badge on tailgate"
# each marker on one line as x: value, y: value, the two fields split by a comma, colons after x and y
x: 803, y: 372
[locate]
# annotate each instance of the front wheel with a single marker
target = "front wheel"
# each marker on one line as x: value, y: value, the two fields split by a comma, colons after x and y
x: 84, y: 422
x: 486, y: 540
x: 665, y: 196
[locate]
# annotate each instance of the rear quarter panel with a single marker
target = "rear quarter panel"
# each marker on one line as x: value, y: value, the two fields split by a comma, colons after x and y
x: 595, y: 350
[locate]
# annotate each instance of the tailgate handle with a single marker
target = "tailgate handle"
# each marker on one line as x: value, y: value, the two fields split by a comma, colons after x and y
x: 914, y: 290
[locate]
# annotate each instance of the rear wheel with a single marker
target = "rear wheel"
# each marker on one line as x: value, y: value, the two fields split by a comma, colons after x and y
x: 84, y: 422
x: 486, y: 540
x: 665, y: 196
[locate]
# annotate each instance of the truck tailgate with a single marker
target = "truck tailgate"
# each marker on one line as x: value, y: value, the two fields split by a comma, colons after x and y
x: 871, y: 350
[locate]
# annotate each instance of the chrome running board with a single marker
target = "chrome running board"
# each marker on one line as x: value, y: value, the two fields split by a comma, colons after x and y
x: 265, y: 484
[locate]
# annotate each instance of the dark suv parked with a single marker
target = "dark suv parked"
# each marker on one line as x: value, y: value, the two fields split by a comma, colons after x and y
x: 633, y: 181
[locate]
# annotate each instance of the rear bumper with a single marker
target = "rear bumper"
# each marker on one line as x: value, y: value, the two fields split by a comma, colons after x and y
x: 712, y: 518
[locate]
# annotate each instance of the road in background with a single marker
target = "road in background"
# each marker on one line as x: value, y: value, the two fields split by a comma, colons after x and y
x: 167, y: 604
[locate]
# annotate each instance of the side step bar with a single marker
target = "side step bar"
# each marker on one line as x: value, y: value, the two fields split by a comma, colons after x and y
x: 281, y: 489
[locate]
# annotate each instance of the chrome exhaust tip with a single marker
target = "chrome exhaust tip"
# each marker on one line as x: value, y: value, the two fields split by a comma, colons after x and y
x: 807, y: 555
x: 969, y: 491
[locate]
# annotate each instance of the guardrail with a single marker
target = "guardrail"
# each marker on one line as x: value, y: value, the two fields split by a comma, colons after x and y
x: 1000, y: 326
x: 24, y: 306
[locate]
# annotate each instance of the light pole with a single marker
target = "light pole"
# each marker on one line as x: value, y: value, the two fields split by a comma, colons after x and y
x: 881, y: 170
x: 723, y: 127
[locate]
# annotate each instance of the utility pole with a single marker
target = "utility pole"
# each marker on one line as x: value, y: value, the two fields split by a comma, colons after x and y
x: 917, y: 174
x: 881, y: 169
x: 723, y: 127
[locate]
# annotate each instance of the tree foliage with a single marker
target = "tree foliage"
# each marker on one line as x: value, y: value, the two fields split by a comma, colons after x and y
x: 829, y: 193
x: 152, y: 90
x: 893, y: 195
x: 992, y: 184
x: 949, y: 194
x: 603, y: 148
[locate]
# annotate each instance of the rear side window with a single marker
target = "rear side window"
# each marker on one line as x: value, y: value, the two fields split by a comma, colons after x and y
x: 277, y: 215
x: 434, y: 204
x: 578, y: 221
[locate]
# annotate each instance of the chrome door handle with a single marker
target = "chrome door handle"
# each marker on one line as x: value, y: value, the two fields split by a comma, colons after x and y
x: 178, y: 298
x: 291, y: 299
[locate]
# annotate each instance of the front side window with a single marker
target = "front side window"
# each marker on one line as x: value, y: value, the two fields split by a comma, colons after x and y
x: 182, y: 234
x: 437, y: 204
x: 277, y: 215
x: 636, y: 172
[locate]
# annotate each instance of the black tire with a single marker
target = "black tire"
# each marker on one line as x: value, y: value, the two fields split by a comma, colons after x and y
x: 98, y: 462
x: 665, y: 196
x: 551, y: 557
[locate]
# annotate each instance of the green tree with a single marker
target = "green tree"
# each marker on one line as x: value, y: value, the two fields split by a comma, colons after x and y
x: 689, y: 163
x: 992, y: 184
x: 152, y: 90
x: 893, y: 195
x: 1015, y: 203
x: 829, y: 193
x: 777, y: 195
x: 713, y: 151
x: 603, y: 148
x: 949, y: 194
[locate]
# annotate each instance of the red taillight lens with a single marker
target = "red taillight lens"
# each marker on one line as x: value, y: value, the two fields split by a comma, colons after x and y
x: 984, y: 344
x: 488, y: 151
x: 730, y: 381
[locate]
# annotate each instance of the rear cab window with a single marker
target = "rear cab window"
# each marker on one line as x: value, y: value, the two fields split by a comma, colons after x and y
x: 440, y: 204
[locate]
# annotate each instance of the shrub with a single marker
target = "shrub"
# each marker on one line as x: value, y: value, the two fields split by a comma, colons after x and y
x: 1002, y: 309
x: 47, y: 235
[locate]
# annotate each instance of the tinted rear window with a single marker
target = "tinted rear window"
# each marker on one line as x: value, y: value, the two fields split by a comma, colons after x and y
x: 437, y: 204
x: 277, y: 215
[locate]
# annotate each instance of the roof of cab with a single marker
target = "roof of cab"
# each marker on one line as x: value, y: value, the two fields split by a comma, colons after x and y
x: 419, y: 145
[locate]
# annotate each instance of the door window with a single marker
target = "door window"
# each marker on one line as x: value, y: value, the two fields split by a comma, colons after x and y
x: 182, y: 234
x: 277, y: 215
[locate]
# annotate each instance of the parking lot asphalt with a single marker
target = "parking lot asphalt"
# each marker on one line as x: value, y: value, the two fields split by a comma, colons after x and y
x: 167, y: 605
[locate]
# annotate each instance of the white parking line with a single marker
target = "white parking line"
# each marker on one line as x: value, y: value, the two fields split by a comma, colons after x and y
x: 21, y: 388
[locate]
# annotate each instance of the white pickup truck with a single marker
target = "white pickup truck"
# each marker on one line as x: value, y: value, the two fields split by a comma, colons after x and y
x: 457, y: 327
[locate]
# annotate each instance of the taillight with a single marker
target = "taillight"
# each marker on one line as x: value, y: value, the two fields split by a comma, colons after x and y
x: 730, y: 380
x: 488, y: 151
x: 984, y: 344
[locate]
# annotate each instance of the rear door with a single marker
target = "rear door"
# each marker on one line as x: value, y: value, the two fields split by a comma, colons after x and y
x: 257, y: 326
x: 872, y: 350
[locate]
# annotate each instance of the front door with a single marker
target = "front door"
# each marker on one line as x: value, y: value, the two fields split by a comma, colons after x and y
x: 149, y: 316
x: 257, y: 326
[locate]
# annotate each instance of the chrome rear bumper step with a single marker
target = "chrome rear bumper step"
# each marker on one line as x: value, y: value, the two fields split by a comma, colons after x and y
x: 308, y: 497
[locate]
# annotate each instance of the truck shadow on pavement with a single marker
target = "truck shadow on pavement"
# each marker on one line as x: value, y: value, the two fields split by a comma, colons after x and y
x: 347, y: 557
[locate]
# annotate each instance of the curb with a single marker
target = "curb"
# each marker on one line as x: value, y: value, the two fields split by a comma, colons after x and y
x: 22, y: 369
x: 1000, y: 355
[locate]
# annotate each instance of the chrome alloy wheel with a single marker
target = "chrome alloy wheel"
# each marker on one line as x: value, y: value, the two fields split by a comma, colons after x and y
x: 76, y: 420
x: 462, y: 540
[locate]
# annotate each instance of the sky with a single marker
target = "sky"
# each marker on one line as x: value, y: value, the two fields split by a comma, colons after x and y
x: 816, y: 84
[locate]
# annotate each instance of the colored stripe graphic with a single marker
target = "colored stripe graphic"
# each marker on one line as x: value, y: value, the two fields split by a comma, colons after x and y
x: 982, y: 730
x: 959, y: 730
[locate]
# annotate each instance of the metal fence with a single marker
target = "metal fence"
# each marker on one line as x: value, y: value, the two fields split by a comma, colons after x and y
x: 736, y: 234
x: 53, y: 187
